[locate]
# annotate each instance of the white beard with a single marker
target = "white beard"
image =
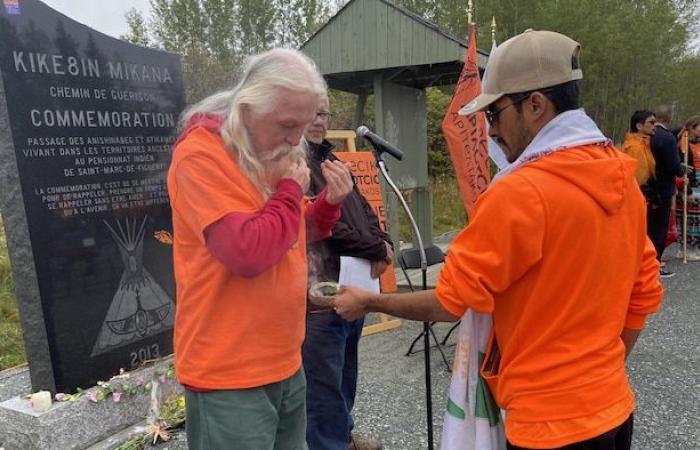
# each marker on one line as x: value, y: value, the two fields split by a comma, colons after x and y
x: 279, y: 161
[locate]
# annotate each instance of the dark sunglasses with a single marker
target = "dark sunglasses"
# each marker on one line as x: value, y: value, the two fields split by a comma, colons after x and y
x: 515, y: 99
x: 492, y: 115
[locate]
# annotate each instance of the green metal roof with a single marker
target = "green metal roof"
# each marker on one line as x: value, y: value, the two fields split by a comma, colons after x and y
x: 367, y: 36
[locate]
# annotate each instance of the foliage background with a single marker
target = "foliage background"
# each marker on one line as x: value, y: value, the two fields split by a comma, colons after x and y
x: 636, y: 54
x: 11, y: 344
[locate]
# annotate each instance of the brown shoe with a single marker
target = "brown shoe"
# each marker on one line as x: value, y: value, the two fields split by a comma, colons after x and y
x: 360, y: 442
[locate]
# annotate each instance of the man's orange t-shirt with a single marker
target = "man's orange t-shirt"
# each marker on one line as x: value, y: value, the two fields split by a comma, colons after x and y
x: 557, y: 251
x: 695, y: 149
x: 230, y: 332
x: 638, y: 146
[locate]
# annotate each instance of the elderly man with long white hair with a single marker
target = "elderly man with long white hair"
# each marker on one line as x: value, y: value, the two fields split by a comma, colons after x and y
x: 241, y: 223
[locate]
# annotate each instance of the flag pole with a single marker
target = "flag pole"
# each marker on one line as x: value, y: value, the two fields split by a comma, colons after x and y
x: 684, y: 144
x: 493, y: 30
x: 462, y: 428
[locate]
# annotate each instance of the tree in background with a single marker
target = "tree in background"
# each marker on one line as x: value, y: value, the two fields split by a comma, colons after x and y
x: 439, y: 162
x: 138, y: 32
x: 636, y: 53
x: 213, y: 36
x: 297, y: 20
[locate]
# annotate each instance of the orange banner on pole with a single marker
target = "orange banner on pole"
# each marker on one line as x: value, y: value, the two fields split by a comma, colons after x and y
x: 364, y: 171
x: 466, y: 135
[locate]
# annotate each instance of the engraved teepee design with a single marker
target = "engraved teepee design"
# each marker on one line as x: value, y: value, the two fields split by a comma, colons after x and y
x: 140, y: 307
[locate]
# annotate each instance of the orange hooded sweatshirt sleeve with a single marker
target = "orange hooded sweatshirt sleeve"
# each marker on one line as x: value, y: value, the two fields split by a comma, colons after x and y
x: 557, y: 251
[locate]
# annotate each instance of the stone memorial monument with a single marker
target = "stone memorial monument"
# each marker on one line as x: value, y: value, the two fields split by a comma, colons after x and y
x: 87, y: 125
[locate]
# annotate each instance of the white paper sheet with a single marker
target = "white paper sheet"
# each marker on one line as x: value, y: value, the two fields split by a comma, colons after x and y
x: 356, y: 272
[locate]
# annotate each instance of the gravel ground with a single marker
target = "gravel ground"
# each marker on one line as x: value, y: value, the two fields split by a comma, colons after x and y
x: 663, y: 368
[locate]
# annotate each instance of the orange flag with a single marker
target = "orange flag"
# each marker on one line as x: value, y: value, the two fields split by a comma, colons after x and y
x: 466, y: 135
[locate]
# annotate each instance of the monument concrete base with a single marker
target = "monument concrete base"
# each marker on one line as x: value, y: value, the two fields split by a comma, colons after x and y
x: 88, y: 420
x: 14, y: 382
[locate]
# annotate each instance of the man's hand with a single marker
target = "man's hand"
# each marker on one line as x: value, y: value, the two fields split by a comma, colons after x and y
x: 351, y: 303
x: 299, y: 172
x: 379, y: 267
x: 389, y: 253
x: 338, y: 181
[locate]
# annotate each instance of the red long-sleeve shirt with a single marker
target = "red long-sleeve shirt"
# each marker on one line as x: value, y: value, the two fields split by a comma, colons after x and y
x: 249, y: 244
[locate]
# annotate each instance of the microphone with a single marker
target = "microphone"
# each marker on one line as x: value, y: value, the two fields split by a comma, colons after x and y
x: 379, y: 144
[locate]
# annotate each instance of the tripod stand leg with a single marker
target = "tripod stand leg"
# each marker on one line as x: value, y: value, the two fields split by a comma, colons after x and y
x: 447, y: 336
x: 439, y: 347
x: 428, y: 384
x: 413, y: 344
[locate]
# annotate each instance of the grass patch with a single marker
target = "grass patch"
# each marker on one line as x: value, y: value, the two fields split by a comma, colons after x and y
x: 11, y: 343
x: 448, y: 209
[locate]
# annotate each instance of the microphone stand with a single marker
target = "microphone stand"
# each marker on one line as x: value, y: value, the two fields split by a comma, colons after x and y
x: 424, y: 272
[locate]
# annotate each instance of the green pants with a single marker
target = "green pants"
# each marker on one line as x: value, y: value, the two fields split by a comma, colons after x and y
x: 270, y: 417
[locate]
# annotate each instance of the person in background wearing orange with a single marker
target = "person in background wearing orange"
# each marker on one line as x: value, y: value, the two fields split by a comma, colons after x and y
x: 236, y: 185
x: 638, y: 144
x: 693, y: 215
x: 693, y: 127
x: 556, y: 250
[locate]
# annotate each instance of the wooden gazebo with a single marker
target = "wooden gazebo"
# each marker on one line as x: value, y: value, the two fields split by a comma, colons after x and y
x: 376, y: 47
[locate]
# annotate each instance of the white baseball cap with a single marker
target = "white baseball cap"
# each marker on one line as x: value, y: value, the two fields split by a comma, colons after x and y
x: 527, y: 62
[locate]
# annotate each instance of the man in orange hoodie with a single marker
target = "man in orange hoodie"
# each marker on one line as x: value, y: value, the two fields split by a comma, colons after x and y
x: 556, y: 250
